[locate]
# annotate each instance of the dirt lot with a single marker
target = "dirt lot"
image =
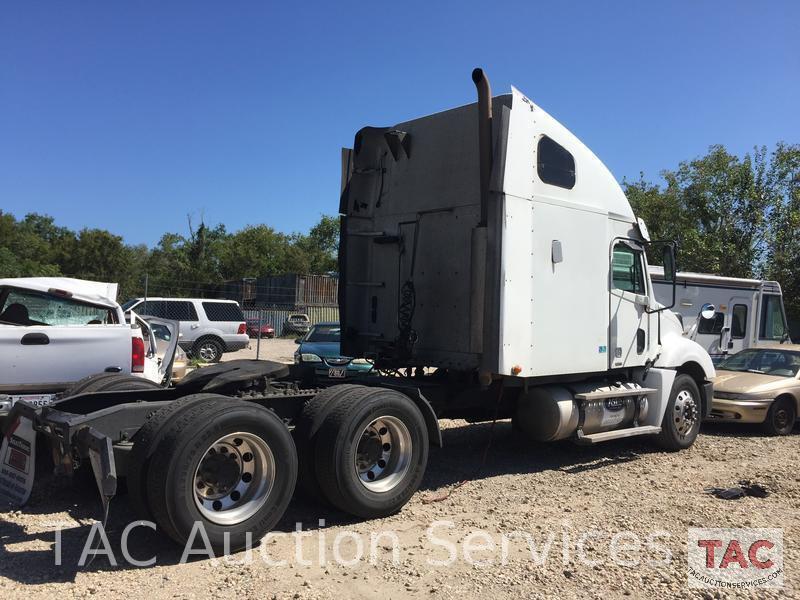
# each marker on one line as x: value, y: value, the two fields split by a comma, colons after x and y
x: 279, y: 349
x: 625, y: 490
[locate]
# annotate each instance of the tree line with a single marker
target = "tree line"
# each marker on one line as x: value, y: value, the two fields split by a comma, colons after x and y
x: 196, y: 264
x: 731, y: 215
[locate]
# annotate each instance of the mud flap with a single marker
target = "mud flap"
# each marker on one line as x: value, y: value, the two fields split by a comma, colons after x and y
x: 18, y: 462
x: 101, y: 455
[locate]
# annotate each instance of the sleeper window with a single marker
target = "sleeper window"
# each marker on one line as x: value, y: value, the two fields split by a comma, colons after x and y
x: 554, y: 164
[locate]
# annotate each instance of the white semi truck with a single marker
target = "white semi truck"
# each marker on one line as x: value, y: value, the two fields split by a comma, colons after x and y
x: 491, y: 267
x: 741, y: 313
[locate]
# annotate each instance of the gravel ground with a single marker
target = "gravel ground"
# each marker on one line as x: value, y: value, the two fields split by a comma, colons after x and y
x: 278, y: 349
x: 559, y: 491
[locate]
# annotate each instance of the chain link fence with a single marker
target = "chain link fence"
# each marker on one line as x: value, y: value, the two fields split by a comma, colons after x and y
x: 285, y: 321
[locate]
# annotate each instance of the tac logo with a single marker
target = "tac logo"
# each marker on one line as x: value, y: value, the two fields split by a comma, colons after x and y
x: 735, y: 558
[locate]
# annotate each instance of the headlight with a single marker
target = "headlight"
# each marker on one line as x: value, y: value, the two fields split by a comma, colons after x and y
x: 360, y: 361
x: 310, y: 358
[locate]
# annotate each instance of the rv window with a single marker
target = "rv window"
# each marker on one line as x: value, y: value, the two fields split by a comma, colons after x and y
x: 555, y: 164
x: 739, y: 321
x: 627, y: 273
x: 772, y: 326
x: 713, y: 325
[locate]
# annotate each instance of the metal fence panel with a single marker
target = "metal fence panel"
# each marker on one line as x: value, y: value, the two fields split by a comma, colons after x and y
x: 322, y: 314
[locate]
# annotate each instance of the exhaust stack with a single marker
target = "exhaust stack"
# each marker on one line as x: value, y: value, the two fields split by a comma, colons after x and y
x: 484, y: 138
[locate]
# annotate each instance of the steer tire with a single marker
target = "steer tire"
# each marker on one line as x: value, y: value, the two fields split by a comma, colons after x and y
x: 683, y: 394
x: 781, y: 417
x: 211, y: 348
x: 145, y: 442
x: 345, y: 438
x: 188, y: 439
x: 305, y: 435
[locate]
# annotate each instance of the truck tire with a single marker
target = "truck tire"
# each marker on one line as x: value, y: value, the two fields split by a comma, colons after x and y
x: 87, y: 384
x: 145, y: 442
x: 781, y: 417
x: 371, y: 452
x: 681, y: 422
x: 125, y: 383
x: 228, y: 464
x: 208, y: 349
x: 305, y: 435
x: 110, y: 382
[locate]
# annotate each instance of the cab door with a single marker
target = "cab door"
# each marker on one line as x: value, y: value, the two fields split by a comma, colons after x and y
x: 161, y: 343
x: 628, y: 331
x: 736, y: 332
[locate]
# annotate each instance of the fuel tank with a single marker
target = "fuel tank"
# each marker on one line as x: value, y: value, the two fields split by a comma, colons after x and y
x: 552, y: 412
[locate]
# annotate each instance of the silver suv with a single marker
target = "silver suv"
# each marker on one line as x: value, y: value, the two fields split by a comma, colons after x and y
x: 208, y: 327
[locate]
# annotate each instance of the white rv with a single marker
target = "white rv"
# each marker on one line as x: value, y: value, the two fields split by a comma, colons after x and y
x: 744, y: 313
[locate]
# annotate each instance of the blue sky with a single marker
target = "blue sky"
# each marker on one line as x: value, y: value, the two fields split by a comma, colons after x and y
x: 130, y: 115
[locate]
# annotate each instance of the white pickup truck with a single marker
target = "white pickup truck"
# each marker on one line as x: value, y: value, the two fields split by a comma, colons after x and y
x: 59, y: 334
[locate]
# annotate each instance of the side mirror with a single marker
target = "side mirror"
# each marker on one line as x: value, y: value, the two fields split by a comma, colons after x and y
x: 670, y: 270
x: 707, y: 311
x: 668, y: 257
x: 298, y: 340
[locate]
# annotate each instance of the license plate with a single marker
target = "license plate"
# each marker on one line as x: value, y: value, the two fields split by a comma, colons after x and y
x: 38, y: 400
x: 337, y: 372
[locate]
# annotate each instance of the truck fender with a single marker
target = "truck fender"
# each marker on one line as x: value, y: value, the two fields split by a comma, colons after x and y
x: 431, y: 420
x: 677, y: 351
x: 682, y: 355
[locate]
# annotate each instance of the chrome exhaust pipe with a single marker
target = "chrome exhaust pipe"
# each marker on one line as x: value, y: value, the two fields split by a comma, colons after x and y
x: 484, y: 138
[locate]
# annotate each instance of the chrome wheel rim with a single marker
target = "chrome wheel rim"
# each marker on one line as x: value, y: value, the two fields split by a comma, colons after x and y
x: 208, y: 352
x: 234, y: 478
x: 383, y: 454
x: 684, y: 412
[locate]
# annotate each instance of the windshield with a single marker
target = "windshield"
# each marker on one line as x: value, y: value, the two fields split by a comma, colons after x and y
x: 769, y: 361
x: 324, y: 333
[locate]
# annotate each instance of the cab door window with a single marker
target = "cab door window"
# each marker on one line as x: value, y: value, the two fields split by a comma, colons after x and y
x: 627, y: 269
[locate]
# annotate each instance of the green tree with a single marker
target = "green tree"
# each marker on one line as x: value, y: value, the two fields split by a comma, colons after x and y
x: 320, y: 246
x: 783, y: 254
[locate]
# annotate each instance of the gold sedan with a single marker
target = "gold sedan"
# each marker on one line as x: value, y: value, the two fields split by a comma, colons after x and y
x: 759, y: 385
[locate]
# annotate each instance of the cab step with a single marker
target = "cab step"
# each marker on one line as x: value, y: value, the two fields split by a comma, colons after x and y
x: 604, y: 436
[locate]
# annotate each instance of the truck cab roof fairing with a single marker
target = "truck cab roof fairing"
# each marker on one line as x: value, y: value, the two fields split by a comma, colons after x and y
x: 595, y: 187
